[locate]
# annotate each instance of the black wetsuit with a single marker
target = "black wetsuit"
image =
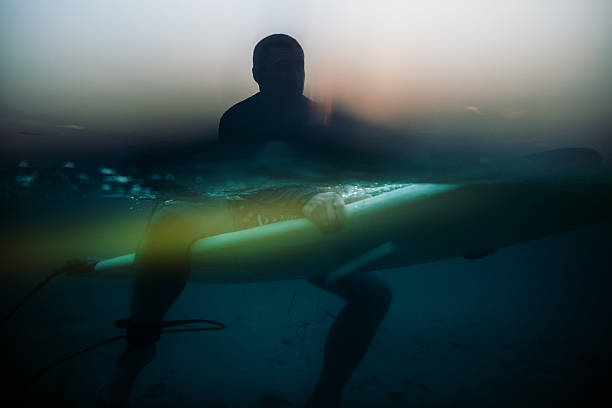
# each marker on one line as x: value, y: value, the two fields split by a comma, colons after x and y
x: 251, y: 124
x: 243, y: 128
x: 270, y: 205
x: 257, y: 120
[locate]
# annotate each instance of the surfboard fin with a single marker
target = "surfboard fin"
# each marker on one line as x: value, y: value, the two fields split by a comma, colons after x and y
x: 471, y: 255
x: 360, y: 261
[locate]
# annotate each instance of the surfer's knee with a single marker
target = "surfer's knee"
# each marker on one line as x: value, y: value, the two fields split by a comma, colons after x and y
x: 376, y: 295
x: 368, y: 289
x: 170, y: 223
x: 383, y: 296
x: 168, y: 238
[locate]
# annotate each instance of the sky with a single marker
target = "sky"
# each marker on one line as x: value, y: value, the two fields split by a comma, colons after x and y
x: 91, y: 71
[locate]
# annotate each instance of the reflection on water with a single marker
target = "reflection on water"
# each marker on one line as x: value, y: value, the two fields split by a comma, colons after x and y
x: 192, y: 177
x: 75, y: 209
x: 90, y: 181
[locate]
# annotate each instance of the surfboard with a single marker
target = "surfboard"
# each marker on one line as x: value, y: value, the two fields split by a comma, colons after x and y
x: 415, y: 224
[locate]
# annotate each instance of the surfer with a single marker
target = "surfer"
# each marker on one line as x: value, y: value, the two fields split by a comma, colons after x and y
x: 277, y: 114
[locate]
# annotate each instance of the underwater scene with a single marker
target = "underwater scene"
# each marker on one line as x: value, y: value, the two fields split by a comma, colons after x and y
x: 318, y: 204
x: 524, y: 325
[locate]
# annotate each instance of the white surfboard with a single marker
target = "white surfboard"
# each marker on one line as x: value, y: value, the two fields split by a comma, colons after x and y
x: 412, y: 225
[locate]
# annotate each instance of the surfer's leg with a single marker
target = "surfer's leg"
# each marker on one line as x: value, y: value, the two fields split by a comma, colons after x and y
x: 153, y: 292
x: 162, y: 272
x: 160, y: 278
x: 368, y: 299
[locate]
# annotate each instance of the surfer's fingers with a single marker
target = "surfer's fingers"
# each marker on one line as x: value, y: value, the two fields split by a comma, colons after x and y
x: 326, y: 210
x: 331, y: 220
x: 320, y: 219
x: 341, y: 213
x: 325, y: 217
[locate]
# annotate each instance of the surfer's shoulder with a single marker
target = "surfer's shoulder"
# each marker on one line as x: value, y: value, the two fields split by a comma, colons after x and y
x: 243, y: 107
x: 236, y: 118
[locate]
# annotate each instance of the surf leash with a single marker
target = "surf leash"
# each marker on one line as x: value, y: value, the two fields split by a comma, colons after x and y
x: 79, y: 267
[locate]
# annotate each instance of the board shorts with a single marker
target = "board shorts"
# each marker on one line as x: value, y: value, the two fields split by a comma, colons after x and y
x: 177, y: 224
x: 162, y: 259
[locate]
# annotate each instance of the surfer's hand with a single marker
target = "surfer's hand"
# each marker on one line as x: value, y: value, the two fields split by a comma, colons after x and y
x: 326, y: 211
x: 358, y: 197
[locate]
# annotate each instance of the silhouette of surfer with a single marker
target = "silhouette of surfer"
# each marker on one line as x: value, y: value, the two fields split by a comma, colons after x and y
x: 278, y: 113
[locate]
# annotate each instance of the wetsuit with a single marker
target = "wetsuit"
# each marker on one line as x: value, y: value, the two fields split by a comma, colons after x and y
x: 301, y: 123
x: 161, y: 278
x: 162, y: 258
x: 270, y: 205
x: 250, y: 124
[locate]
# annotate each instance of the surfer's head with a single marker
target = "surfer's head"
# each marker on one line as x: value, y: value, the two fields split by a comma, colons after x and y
x: 278, y: 65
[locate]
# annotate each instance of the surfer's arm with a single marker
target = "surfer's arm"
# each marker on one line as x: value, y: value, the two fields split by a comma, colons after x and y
x: 233, y: 132
x: 225, y: 131
x: 287, y: 199
x: 321, y: 206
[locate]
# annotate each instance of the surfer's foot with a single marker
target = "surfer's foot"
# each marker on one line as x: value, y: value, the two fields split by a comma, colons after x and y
x: 112, y: 394
x: 116, y: 390
x: 324, y: 399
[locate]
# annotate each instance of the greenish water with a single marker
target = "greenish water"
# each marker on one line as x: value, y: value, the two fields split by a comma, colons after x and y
x: 533, y: 317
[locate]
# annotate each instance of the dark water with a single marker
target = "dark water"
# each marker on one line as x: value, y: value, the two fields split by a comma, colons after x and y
x: 527, y: 326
